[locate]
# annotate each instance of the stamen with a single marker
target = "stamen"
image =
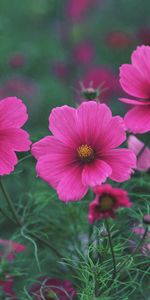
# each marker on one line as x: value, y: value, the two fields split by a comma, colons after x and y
x: 85, y: 153
x: 106, y: 203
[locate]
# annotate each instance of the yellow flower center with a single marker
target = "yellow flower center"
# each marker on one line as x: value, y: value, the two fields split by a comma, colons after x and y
x: 85, y: 153
x: 106, y: 203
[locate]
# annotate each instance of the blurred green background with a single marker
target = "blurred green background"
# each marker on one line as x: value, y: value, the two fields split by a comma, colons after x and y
x: 48, y: 46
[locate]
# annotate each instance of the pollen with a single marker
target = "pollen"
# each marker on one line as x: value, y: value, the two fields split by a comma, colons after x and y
x: 106, y: 203
x: 85, y: 153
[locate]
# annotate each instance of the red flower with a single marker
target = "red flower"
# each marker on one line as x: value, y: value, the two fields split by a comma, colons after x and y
x: 50, y: 289
x: 107, y: 200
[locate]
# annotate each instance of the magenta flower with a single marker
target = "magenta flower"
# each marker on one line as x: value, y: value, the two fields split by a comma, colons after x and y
x: 103, y: 77
x: 135, y: 80
x: 143, y: 161
x: 13, y: 138
x: 106, y: 201
x: 81, y: 153
x: 50, y: 289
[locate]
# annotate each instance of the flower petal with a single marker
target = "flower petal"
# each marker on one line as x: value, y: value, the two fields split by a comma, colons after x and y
x: 140, y: 58
x: 62, y: 123
x: 92, y: 119
x: 113, y: 135
x: 95, y: 173
x: 143, y: 161
x: 121, y: 161
x: 133, y: 82
x: 8, y: 160
x: 49, y: 145
x: 16, y: 138
x: 53, y: 166
x: 137, y: 120
x: 71, y: 187
x: 13, y: 113
x: 134, y: 102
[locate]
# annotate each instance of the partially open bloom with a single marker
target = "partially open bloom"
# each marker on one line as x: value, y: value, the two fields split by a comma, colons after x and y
x: 81, y: 153
x: 135, y: 80
x: 13, y: 115
x: 141, y: 151
x: 104, y: 78
x: 50, y: 289
x: 106, y: 201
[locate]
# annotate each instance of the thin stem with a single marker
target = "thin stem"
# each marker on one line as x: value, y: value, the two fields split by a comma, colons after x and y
x: 24, y: 158
x: 45, y: 243
x: 111, y: 248
x: 5, y: 215
x: 136, y: 249
x: 10, y: 203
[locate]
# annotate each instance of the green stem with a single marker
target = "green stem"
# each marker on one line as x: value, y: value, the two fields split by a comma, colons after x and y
x: 136, y: 249
x: 5, y: 215
x: 24, y: 158
x: 46, y: 243
x: 10, y: 203
x: 111, y: 248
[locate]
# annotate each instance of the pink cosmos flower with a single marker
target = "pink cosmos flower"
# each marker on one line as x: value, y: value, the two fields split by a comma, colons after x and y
x: 81, y: 153
x: 102, y: 76
x: 83, y: 52
x: 118, y: 40
x: 135, y: 80
x: 13, y: 115
x: 50, y: 289
x: 76, y: 9
x: 107, y: 200
x: 143, y: 161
